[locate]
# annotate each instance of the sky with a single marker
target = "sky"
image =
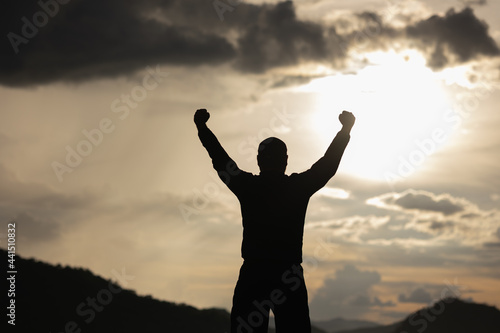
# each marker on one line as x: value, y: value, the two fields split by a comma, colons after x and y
x: 101, y: 166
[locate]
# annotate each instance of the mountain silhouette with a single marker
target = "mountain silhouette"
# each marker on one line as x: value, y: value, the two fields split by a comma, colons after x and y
x: 64, y: 299
x: 449, y: 315
x: 57, y: 299
x: 452, y: 315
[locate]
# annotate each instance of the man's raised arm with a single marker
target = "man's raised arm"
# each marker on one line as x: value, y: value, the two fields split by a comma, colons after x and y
x: 221, y: 161
x: 326, y: 167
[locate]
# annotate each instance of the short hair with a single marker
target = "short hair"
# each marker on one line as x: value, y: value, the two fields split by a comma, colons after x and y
x: 272, y: 147
x: 272, y: 155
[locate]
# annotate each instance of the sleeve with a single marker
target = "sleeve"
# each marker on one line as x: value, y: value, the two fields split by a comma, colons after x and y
x: 226, y: 167
x: 326, y: 167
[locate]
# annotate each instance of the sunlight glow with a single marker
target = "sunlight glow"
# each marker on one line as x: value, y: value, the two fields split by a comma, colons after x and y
x: 397, y: 101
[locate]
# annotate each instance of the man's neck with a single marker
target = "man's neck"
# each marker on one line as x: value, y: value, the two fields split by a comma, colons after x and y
x: 271, y: 173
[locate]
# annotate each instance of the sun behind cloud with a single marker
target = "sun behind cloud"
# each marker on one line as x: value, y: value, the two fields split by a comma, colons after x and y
x: 398, y: 101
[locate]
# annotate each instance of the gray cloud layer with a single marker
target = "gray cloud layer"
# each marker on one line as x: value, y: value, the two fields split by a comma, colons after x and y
x: 347, y: 294
x: 426, y: 202
x: 423, y: 201
x: 89, y: 39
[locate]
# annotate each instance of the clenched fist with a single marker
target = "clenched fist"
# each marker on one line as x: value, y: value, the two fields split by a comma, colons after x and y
x: 347, y: 119
x: 201, y: 116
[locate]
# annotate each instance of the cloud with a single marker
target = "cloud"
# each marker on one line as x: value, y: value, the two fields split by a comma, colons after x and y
x: 95, y: 39
x: 44, y: 214
x: 92, y: 39
x: 99, y: 39
x: 32, y: 229
x: 474, y: 2
x: 414, y: 200
x: 15, y: 192
x: 292, y: 80
x: 427, y: 202
x: 418, y: 295
x: 493, y: 243
x: 456, y: 37
x: 38, y: 210
x: 365, y: 301
x: 347, y: 294
x: 334, y: 193
x: 352, y: 228
x: 444, y: 217
x: 278, y: 38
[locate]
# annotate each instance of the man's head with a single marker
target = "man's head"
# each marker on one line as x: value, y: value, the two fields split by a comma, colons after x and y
x: 272, y: 155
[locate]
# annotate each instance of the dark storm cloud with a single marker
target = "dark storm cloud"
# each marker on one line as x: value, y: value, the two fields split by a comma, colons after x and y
x: 279, y: 38
x: 91, y: 38
x: 264, y: 36
x: 82, y: 40
x: 461, y: 33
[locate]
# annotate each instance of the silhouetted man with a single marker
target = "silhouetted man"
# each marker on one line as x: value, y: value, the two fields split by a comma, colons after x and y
x: 273, y: 208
